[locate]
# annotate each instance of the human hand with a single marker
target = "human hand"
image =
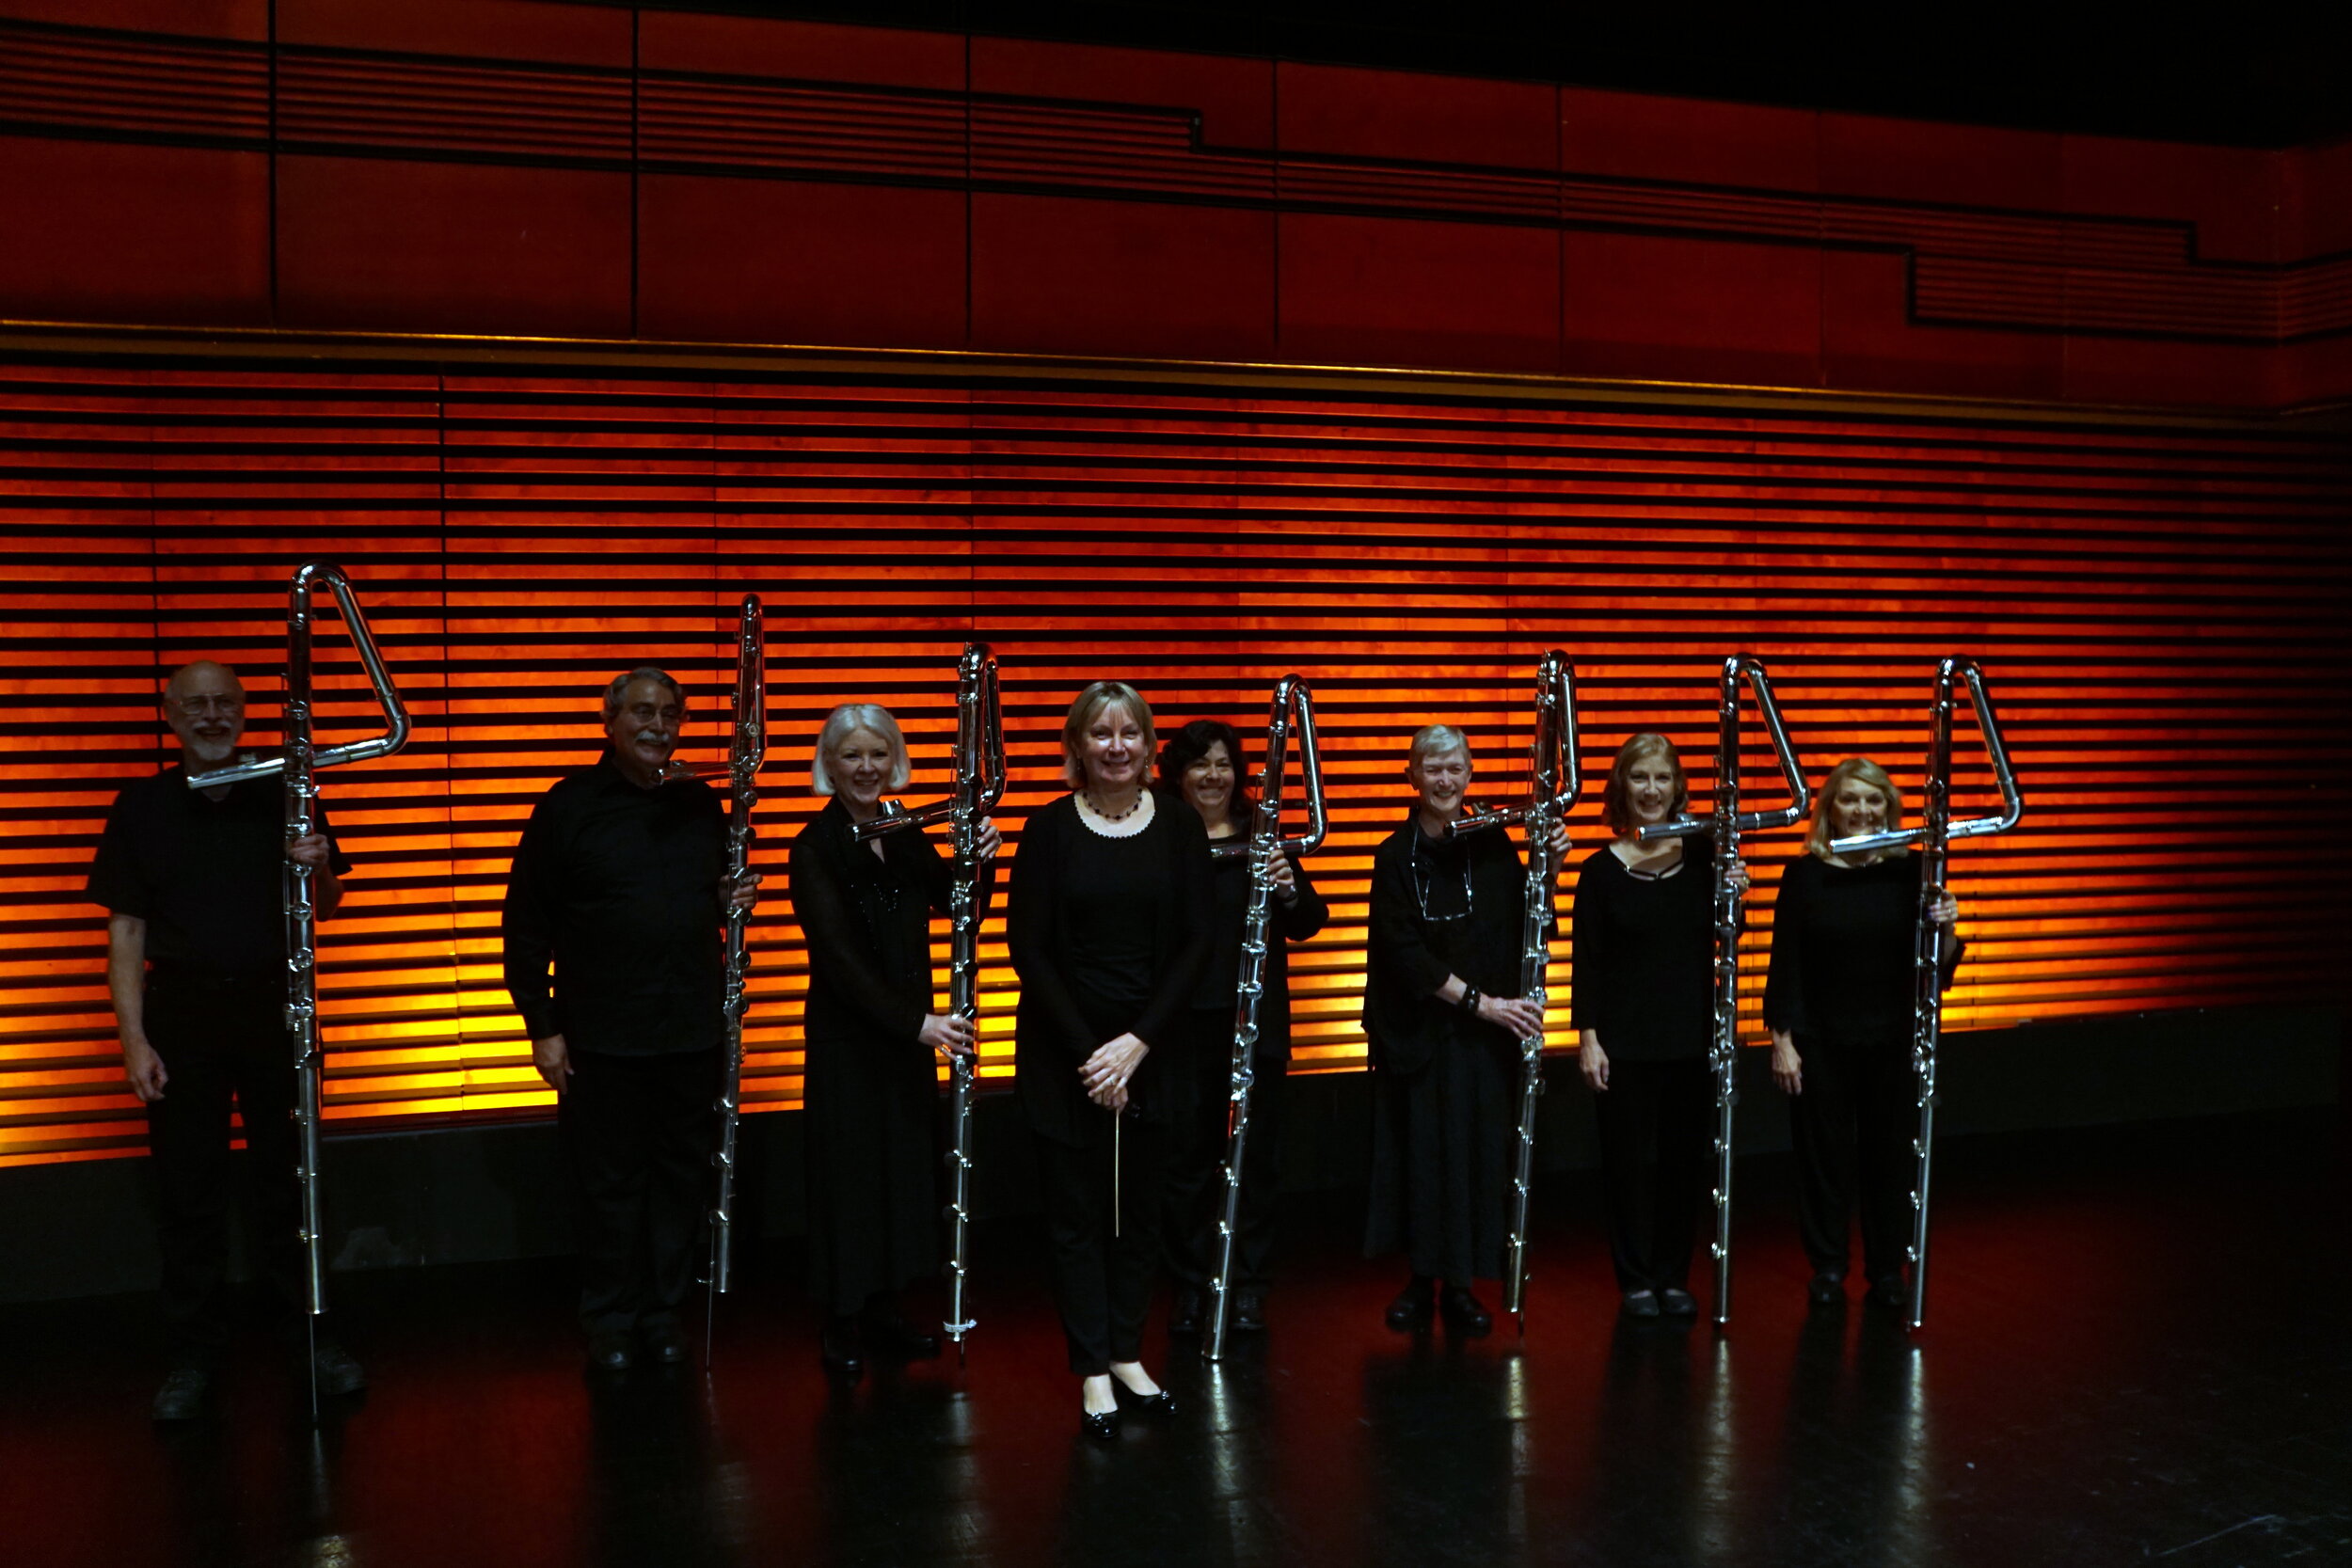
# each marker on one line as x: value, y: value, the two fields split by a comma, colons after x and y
x: 1280, y: 876
x: 1521, y: 1017
x: 1739, y: 875
x: 1787, y: 1071
x: 953, y: 1032
x: 991, y: 840
x: 1946, y: 911
x: 1105, y: 1074
x: 1593, y: 1062
x: 311, y: 850
x: 743, y: 891
x: 145, y: 1069
x: 1561, y: 842
x: 553, y: 1059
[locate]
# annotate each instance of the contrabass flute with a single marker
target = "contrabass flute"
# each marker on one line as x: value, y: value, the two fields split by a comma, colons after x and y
x: 1934, y: 833
x: 747, y: 750
x: 1294, y: 704
x: 299, y: 765
x: 979, y: 784
x: 1725, y: 823
x: 1555, y: 781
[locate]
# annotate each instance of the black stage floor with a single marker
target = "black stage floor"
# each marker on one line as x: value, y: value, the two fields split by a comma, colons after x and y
x: 2138, y: 1353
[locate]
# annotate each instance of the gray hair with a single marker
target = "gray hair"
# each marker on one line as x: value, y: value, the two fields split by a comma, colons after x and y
x: 1436, y: 740
x: 620, y: 684
x: 845, y: 722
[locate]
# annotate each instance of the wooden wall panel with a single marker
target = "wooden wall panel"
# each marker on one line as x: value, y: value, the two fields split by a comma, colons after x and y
x: 2159, y: 609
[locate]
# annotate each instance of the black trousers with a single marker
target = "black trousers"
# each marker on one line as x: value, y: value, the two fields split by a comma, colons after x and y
x: 1195, y: 1197
x: 1654, y: 1141
x: 222, y: 1045
x: 1106, y: 1239
x: 639, y: 1133
x: 1853, y: 1127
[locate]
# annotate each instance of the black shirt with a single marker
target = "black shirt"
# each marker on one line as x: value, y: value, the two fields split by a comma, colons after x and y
x: 1842, y: 939
x: 619, y: 887
x: 1439, y: 907
x: 207, y: 876
x: 1296, y: 920
x: 1645, y: 956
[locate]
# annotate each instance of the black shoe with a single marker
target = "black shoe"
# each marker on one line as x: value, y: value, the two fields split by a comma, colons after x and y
x: 186, y: 1391
x: 609, y: 1352
x: 839, y: 1347
x: 1888, y: 1291
x: 1411, y: 1312
x: 1639, y: 1304
x: 1100, y: 1425
x: 1827, y: 1288
x: 1249, y: 1311
x: 1191, y: 1306
x: 337, y: 1370
x: 1676, y: 1302
x: 1161, y: 1405
x: 665, y: 1342
x: 1464, y: 1313
x: 895, y: 1337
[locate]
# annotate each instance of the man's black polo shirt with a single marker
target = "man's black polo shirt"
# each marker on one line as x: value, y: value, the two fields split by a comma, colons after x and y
x: 207, y: 876
x: 618, y: 887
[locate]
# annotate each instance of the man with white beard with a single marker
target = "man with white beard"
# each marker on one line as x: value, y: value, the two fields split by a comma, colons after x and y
x: 196, y: 963
x: 617, y: 886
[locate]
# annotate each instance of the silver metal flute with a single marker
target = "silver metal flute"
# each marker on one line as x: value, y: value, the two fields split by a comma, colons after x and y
x: 1293, y: 705
x: 747, y: 751
x: 979, y: 784
x: 299, y: 764
x: 1725, y: 823
x: 1934, y: 833
x: 1554, y: 782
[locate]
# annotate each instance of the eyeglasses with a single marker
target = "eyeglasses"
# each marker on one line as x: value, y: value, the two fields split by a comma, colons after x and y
x: 1426, y: 881
x: 228, y: 708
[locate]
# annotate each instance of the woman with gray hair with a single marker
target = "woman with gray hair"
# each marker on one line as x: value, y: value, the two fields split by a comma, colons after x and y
x: 1443, y: 1019
x: 1110, y: 925
x: 873, y: 1034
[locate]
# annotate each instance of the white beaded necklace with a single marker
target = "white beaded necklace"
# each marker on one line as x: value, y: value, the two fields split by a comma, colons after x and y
x: 1126, y: 825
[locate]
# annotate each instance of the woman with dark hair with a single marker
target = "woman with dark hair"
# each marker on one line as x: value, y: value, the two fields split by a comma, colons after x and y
x: 872, y: 1037
x: 1109, y: 931
x: 1443, y: 1021
x: 1644, y: 1010
x: 1838, y: 1000
x: 1201, y: 761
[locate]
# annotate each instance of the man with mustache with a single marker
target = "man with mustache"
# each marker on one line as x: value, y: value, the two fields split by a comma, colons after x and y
x: 196, y: 963
x: 617, y: 884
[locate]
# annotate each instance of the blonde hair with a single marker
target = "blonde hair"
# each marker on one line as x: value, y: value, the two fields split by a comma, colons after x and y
x: 1616, y: 799
x: 1854, y: 770
x: 1090, y: 704
x: 845, y: 722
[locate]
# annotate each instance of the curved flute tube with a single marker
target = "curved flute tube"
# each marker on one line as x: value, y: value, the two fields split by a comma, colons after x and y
x: 1726, y: 822
x: 747, y: 751
x: 1293, y: 702
x: 1555, y: 781
x: 299, y: 765
x: 979, y: 784
x: 1934, y: 833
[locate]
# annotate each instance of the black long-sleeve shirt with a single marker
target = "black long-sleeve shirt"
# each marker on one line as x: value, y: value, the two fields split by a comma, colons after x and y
x: 1645, y: 956
x: 1842, y: 938
x: 619, y: 888
x: 1296, y: 920
x: 1439, y: 907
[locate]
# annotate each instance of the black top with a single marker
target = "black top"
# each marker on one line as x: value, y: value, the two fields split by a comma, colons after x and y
x: 1645, y: 956
x: 867, y: 922
x: 620, y: 888
x: 207, y: 876
x: 1439, y: 907
x: 1842, y: 939
x: 1108, y: 936
x: 1220, y: 978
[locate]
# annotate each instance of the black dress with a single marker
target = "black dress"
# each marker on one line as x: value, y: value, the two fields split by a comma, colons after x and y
x: 1841, y: 983
x: 1442, y: 1080
x: 1645, y: 986
x: 871, y: 1085
x: 1196, y: 1189
x: 1108, y: 936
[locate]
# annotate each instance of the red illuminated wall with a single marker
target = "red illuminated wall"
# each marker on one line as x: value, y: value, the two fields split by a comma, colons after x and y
x: 507, y: 167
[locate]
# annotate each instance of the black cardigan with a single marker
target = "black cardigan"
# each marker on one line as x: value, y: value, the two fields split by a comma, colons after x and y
x: 1407, y: 956
x: 868, y: 923
x: 1054, y: 1036
x: 1645, y: 956
x: 1842, y: 941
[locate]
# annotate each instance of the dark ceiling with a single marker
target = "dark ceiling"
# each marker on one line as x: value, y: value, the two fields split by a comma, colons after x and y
x: 2250, y: 75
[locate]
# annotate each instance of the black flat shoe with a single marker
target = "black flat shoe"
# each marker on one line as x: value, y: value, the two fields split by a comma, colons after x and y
x: 1464, y: 1312
x: 899, y: 1339
x: 1249, y: 1311
x: 1100, y: 1425
x: 1411, y: 1312
x: 666, y: 1343
x: 1826, y: 1289
x: 1161, y: 1406
x: 1639, y: 1304
x: 1888, y: 1291
x: 186, y: 1391
x: 838, y: 1345
x: 1676, y: 1302
x: 1186, y: 1315
x: 609, y: 1352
